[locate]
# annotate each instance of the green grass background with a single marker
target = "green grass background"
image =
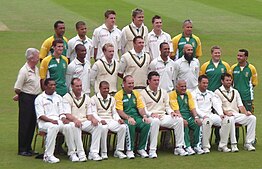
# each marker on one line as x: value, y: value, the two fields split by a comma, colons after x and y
x: 231, y: 24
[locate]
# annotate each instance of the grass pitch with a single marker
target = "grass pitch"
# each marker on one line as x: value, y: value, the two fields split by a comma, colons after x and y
x: 230, y: 24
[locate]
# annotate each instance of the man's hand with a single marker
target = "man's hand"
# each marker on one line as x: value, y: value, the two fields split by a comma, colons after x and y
x: 228, y: 113
x: 65, y: 121
x: 155, y: 115
x: 222, y: 116
x: 198, y: 122
x: 121, y: 121
x: 174, y: 114
x: 94, y: 122
x: 54, y: 121
x: 131, y: 121
x: 103, y: 122
x: 16, y: 97
x: 78, y: 123
x: 248, y: 113
x: 146, y: 120
x: 185, y: 123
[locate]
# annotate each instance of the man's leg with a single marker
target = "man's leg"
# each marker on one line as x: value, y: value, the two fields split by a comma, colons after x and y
x: 144, y: 133
x: 154, y: 130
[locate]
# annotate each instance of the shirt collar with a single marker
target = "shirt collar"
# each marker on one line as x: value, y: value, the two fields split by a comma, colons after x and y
x: 104, y: 27
x: 148, y: 89
x: 28, y: 67
x: 154, y: 34
x: 134, y: 26
x: 161, y: 60
x: 101, y: 97
x: 222, y: 88
x: 137, y: 54
x: 74, y: 96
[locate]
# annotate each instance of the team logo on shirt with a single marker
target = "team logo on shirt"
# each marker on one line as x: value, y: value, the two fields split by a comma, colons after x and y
x: 64, y: 65
x: 186, y: 100
x: 222, y: 70
x: 246, y: 74
x: 193, y: 44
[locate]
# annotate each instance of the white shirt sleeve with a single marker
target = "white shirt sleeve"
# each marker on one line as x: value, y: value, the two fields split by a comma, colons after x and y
x: 69, y: 76
x: 217, y: 104
x: 39, y: 108
x: 94, y: 110
x: 122, y: 65
x: 93, y: 73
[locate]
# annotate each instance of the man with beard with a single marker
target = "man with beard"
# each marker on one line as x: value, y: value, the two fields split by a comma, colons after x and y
x: 187, y: 67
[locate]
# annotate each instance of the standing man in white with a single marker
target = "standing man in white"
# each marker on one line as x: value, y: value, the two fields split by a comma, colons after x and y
x: 160, y: 113
x: 80, y: 38
x: 104, y: 110
x: 136, y: 28
x: 156, y: 37
x: 107, y: 33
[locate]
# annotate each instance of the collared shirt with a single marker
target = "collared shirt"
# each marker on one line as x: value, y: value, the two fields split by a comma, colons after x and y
x: 28, y: 80
x: 244, y: 80
x: 102, y: 35
x: 129, y: 32
x: 166, y: 72
x: 130, y: 64
x: 204, y: 101
x: 231, y: 99
x: 156, y: 102
x: 81, y: 71
x: 79, y: 108
x: 71, y: 53
x: 187, y: 72
x: 104, y: 108
x: 214, y: 73
x: 154, y: 42
x: 104, y: 71
x: 48, y: 105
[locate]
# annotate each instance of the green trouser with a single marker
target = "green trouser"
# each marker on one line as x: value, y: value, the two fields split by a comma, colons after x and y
x: 143, y: 129
x: 196, y: 132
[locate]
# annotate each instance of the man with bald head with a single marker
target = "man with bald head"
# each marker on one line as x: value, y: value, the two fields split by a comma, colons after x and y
x: 182, y: 100
x: 186, y: 37
x: 187, y: 67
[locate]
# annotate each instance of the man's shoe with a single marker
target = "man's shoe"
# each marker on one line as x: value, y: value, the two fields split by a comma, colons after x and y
x: 73, y: 158
x: 51, y: 159
x: 249, y: 147
x: 119, y: 154
x: 142, y: 153
x: 104, y: 156
x: 180, y: 151
x: 130, y: 154
x: 24, y: 153
x: 224, y: 149
x: 190, y: 151
x: 152, y: 154
x: 83, y: 159
x: 94, y: 156
x: 234, y: 148
x: 206, y: 150
x: 198, y: 150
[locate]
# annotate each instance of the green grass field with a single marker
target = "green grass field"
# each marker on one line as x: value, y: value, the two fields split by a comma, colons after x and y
x: 230, y: 24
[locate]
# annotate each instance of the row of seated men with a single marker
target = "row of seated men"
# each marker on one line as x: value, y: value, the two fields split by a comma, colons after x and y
x: 144, y: 111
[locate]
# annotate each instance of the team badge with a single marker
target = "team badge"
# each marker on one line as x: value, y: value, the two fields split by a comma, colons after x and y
x: 193, y: 44
x: 134, y: 100
x: 186, y: 101
x: 222, y: 70
x: 246, y: 74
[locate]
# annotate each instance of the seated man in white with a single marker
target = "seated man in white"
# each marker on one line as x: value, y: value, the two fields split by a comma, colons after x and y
x: 233, y: 107
x: 205, y: 100
x: 77, y: 107
x: 50, y: 118
x: 158, y: 109
x: 104, y: 110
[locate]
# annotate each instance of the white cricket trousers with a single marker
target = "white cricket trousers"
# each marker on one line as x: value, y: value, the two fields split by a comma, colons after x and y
x: 51, y: 133
x: 167, y: 121
x: 115, y: 127
x: 214, y: 119
x: 96, y: 135
x: 249, y: 121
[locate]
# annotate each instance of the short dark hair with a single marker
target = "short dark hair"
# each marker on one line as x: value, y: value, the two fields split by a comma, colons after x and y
x: 74, y: 79
x: 103, y: 83
x: 153, y: 73
x: 162, y: 44
x: 202, y: 77
x: 225, y: 75
x: 155, y: 17
x: 79, y: 23
x: 58, y: 22
x: 109, y: 12
x: 78, y: 46
x: 46, y: 82
x: 245, y: 51
x: 56, y: 41
x: 137, y: 37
